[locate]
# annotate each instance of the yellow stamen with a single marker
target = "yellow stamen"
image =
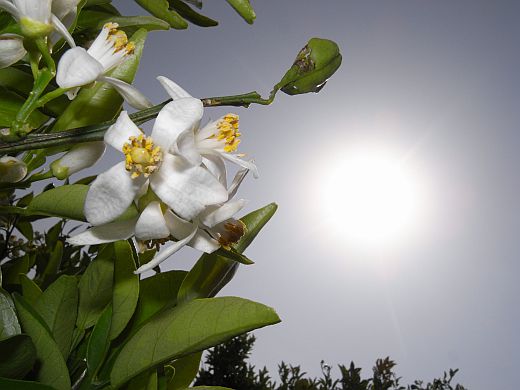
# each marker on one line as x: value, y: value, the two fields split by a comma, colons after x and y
x: 141, y: 156
x: 228, y: 132
x: 118, y: 38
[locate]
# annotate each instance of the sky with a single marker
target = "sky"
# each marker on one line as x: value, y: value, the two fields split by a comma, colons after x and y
x: 435, y: 85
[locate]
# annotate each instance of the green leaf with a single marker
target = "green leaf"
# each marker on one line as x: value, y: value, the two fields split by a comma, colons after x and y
x: 58, y: 307
x: 53, y: 264
x: 22, y: 385
x: 232, y: 254
x: 101, y: 102
x: 99, y: 342
x: 254, y: 222
x: 67, y: 202
x: 189, y: 14
x: 144, y: 381
x: 186, y: 369
x: 95, y: 288
x: 30, y: 290
x: 9, y: 325
x: 95, y: 20
x: 15, y: 268
x: 10, y: 104
x: 126, y: 288
x: 160, y: 9
x: 209, y: 388
x: 18, y: 356
x: 244, y: 9
x: 156, y: 292
x: 185, y: 329
x: 52, y: 369
x: 25, y: 228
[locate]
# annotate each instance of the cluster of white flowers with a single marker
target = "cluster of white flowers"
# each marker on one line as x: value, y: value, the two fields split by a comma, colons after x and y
x: 176, y: 177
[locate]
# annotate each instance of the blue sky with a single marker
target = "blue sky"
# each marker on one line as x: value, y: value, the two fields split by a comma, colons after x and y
x: 433, y: 81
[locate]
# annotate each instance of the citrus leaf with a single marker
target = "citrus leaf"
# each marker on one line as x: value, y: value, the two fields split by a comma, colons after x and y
x: 18, y: 356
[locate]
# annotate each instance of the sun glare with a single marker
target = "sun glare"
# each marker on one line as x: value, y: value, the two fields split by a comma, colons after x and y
x: 370, y: 199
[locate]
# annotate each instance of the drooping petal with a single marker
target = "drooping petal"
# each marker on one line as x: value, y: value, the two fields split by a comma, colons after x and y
x: 62, y: 30
x: 174, y: 118
x: 131, y: 94
x: 179, y: 228
x: 240, y: 162
x: 119, y: 133
x: 216, y: 214
x: 77, y: 68
x: 111, y: 194
x: 151, y: 224
x: 12, y: 169
x: 79, y: 157
x: 9, y: 7
x: 185, y: 188
x: 216, y: 166
x: 165, y: 253
x: 11, y: 47
x: 185, y: 147
x: 39, y: 10
x: 172, y: 88
x: 110, y: 232
x: 237, y: 180
x: 62, y: 8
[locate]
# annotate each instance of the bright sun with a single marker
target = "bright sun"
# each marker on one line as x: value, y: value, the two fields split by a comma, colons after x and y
x: 370, y: 198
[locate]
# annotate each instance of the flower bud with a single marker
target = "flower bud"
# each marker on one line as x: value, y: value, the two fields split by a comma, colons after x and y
x: 32, y: 28
x: 79, y: 157
x: 314, y: 65
x: 11, y: 47
x: 12, y: 170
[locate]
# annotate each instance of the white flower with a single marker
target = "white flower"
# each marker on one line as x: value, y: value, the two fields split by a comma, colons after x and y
x: 186, y: 189
x: 36, y: 17
x: 11, y: 49
x: 12, y: 170
x: 219, y: 138
x: 78, y: 67
x: 78, y: 158
x: 213, y: 228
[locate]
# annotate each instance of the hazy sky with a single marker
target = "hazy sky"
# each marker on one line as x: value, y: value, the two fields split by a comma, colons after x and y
x: 434, y: 82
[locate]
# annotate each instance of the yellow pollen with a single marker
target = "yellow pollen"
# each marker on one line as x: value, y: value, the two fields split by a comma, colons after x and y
x: 119, y: 39
x: 228, y: 132
x: 141, y: 156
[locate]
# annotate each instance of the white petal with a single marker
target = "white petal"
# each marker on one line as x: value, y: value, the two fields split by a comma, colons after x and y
x: 79, y: 157
x: 165, y: 253
x: 119, y: 133
x: 151, y: 224
x: 185, y: 188
x: 111, y: 194
x: 179, y: 228
x: 12, y: 169
x: 110, y: 232
x: 237, y: 180
x: 39, y: 10
x: 173, y: 89
x: 62, y: 30
x: 131, y: 94
x: 174, y: 118
x: 77, y: 68
x: 185, y: 147
x: 11, y: 47
x: 216, y: 214
x: 243, y: 163
x: 216, y: 166
x: 62, y: 8
x: 9, y: 7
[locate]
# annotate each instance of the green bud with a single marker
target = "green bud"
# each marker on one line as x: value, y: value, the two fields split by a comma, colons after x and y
x: 35, y: 29
x: 314, y: 65
x: 59, y: 171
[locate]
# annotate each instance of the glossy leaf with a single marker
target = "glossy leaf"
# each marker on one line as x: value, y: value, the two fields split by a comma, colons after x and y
x: 30, y: 290
x: 102, y: 99
x: 58, y: 307
x: 17, y: 357
x: 186, y: 369
x: 52, y: 370
x: 185, y: 329
x: 193, y: 16
x: 254, y: 222
x: 161, y: 10
x: 126, y: 288
x: 99, y: 342
x: 95, y: 20
x: 244, y: 9
x: 23, y: 385
x: 95, y: 288
x: 9, y: 325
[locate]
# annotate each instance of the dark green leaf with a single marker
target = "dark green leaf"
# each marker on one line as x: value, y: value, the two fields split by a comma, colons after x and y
x: 9, y: 325
x: 30, y: 290
x: 254, y: 222
x: 209, y: 388
x: 17, y: 357
x: 25, y: 228
x: 244, y: 9
x: 53, y: 264
x: 22, y: 385
x: 126, y: 288
x: 185, y: 329
x: 189, y: 14
x: 232, y: 254
x: 52, y: 369
x: 15, y: 268
x: 161, y: 10
x: 99, y: 342
x: 95, y: 20
x: 95, y: 288
x: 10, y: 104
x: 145, y: 381
x: 186, y: 369
x: 58, y: 307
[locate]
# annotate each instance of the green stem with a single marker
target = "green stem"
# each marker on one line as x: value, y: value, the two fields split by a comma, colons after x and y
x: 96, y: 132
x: 41, y: 43
x: 50, y: 96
